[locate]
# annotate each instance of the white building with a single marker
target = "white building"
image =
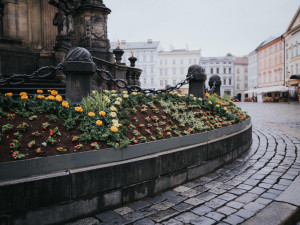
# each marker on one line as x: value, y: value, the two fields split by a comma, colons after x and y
x: 241, y: 77
x: 146, y: 54
x: 173, y: 66
x: 222, y: 66
x: 292, y: 59
x: 252, y: 73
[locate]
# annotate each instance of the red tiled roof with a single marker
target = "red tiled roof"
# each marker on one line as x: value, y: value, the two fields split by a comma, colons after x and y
x: 241, y: 60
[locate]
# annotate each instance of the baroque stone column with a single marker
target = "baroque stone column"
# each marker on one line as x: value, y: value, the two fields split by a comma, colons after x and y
x: 90, y: 24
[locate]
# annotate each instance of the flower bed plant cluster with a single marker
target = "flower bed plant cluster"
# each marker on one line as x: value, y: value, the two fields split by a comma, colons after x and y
x: 45, y: 124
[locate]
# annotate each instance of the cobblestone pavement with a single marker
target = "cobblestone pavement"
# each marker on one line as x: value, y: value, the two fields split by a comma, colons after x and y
x: 230, y: 195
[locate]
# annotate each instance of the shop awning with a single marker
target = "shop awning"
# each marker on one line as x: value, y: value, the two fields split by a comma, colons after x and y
x: 295, y: 77
x: 270, y: 89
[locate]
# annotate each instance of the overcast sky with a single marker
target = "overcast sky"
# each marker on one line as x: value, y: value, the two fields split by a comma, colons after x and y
x: 215, y: 26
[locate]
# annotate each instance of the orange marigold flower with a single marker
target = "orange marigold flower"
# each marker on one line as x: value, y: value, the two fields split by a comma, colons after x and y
x: 65, y: 104
x: 99, y: 122
x: 51, y: 97
x: 207, y: 95
x: 78, y: 109
x: 40, y: 96
x: 39, y: 91
x: 58, y: 98
x: 23, y: 93
x: 102, y: 113
x: 114, y: 129
x: 54, y: 93
x: 91, y: 114
x: 24, y: 97
x: 8, y: 94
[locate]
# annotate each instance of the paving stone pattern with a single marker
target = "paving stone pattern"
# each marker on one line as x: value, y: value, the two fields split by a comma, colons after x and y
x: 230, y: 195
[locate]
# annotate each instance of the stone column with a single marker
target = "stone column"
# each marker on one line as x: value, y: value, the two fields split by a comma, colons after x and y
x: 79, y: 69
x: 197, y: 84
x: 215, y: 83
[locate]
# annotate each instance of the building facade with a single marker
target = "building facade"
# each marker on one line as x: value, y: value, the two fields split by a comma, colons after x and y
x: 173, y: 66
x: 292, y: 59
x: 222, y: 66
x: 241, y: 77
x: 147, y: 60
x: 252, y: 73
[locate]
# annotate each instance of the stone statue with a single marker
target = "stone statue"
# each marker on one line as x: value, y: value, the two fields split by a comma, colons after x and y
x: 64, y: 17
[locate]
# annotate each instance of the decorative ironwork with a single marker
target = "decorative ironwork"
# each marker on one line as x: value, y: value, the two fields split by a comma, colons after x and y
x: 120, y: 83
x: 43, y: 72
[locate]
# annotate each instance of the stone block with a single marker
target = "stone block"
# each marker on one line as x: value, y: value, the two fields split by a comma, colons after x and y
x: 33, y: 192
x: 169, y: 181
x: 202, y: 169
x: 138, y: 191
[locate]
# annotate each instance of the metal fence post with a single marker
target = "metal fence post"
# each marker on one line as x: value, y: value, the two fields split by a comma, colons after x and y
x: 197, y: 83
x: 79, y: 69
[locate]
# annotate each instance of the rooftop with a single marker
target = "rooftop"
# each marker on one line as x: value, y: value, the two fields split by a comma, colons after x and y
x: 241, y: 60
x: 267, y: 41
x: 136, y: 45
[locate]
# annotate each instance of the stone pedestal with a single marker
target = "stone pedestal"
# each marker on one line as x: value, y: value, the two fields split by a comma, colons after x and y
x: 79, y: 69
x: 197, y: 84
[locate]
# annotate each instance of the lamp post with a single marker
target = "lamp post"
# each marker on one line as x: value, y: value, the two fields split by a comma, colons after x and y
x: 287, y: 85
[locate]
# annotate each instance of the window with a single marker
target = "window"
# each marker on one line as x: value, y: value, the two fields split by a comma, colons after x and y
x: 166, y: 82
x: 246, y: 70
x: 224, y: 70
x: 292, y: 70
x: 218, y: 71
x: 151, y: 70
x: 297, y: 69
x: 166, y: 62
x: 145, y: 80
x: 144, y: 58
x: 287, y: 54
x: 211, y: 70
x: 174, y: 71
x: 224, y: 81
x: 246, y: 85
x: 270, y: 78
x: 161, y: 72
x: 238, y: 78
x: 145, y: 70
x: 161, y: 83
x: 181, y: 71
x: 174, y: 82
x: 229, y: 81
x: 238, y: 86
x: 229, y: 70
x: 174, y: 61
x: 166, y: 71
x: 152, y: 81
x: 238, y: 70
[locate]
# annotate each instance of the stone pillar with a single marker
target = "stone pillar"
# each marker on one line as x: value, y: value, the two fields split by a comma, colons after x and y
x: 215, y: 83
x: 91, y: 28
x: 79, y: 69
x: 197, y: 84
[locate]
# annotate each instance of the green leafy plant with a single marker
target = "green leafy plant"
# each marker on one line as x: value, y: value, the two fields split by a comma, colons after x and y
x: 79, y: 146
x: 31, y: 144
x: 55, y: 132
x: 14, y: 145
x: 18, y: 136
x: 7, y: 128
x: 45, y: 125
x: 18, y: 155
x: 95, y: 145
x: 61, y: 150
x: 33, y: 117
x: 51, y: 140
x: 11, y: 116
x: 52, y: 118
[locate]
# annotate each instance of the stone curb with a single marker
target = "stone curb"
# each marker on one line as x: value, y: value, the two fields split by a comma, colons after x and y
x: 285, y: 210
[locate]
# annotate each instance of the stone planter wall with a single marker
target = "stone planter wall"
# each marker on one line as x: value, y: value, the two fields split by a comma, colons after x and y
x: 72, y: 186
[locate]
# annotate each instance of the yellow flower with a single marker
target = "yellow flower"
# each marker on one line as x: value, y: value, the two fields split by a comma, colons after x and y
x: 94, y: 92
x: 117, y: 103
x: 40, y: 96
x: 125, y: 96
x: 134, y: 93
x: 195, y: 98
x: 119, y: 99
x: 99, y: 122
x: 125, y: 92
x: 65, y: 104
x: 113, y: 114
x: 207, y: 95
x: 54, y: 93
x: 8, y: 94
x: 217, y: 105
x: 113, y: 109
x: 114, y: 129
x: 49, y: 91
x: 210, y: 102
x: 106, y: 91
x: 191, y: 95
x: 102, y: 113
x: 91, y: 114
x: 58, y: 98
x: 39, y: 91
x: 24, y: 97
x: 78, y: 109
x: 51, y: 97
x: 114, y: 91
x: 200, y: 99
x: 225, y: 108
x: 23, y: 93
x: 114, y: 95
x: 116, y: 123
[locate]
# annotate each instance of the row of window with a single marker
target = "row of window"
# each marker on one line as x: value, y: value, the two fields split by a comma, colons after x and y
x: 293, y: 51
x: 140, y: 58
x: 175, y: 61
x: 174, y: 71
x: 292, y: 71
x: 238, y: 86
x: 151, y: 81
x: 272, y: 49
x: 165, y: 82
x: 203, y: 63
x: 270, y: 78
x: 217, y: 70
x: 264, y: 64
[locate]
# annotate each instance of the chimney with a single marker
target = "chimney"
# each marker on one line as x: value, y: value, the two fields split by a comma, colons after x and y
x: 149, y: 41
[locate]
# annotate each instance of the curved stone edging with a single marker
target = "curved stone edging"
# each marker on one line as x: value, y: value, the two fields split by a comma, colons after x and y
x: 63, y: 196
x: 44, y: 165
